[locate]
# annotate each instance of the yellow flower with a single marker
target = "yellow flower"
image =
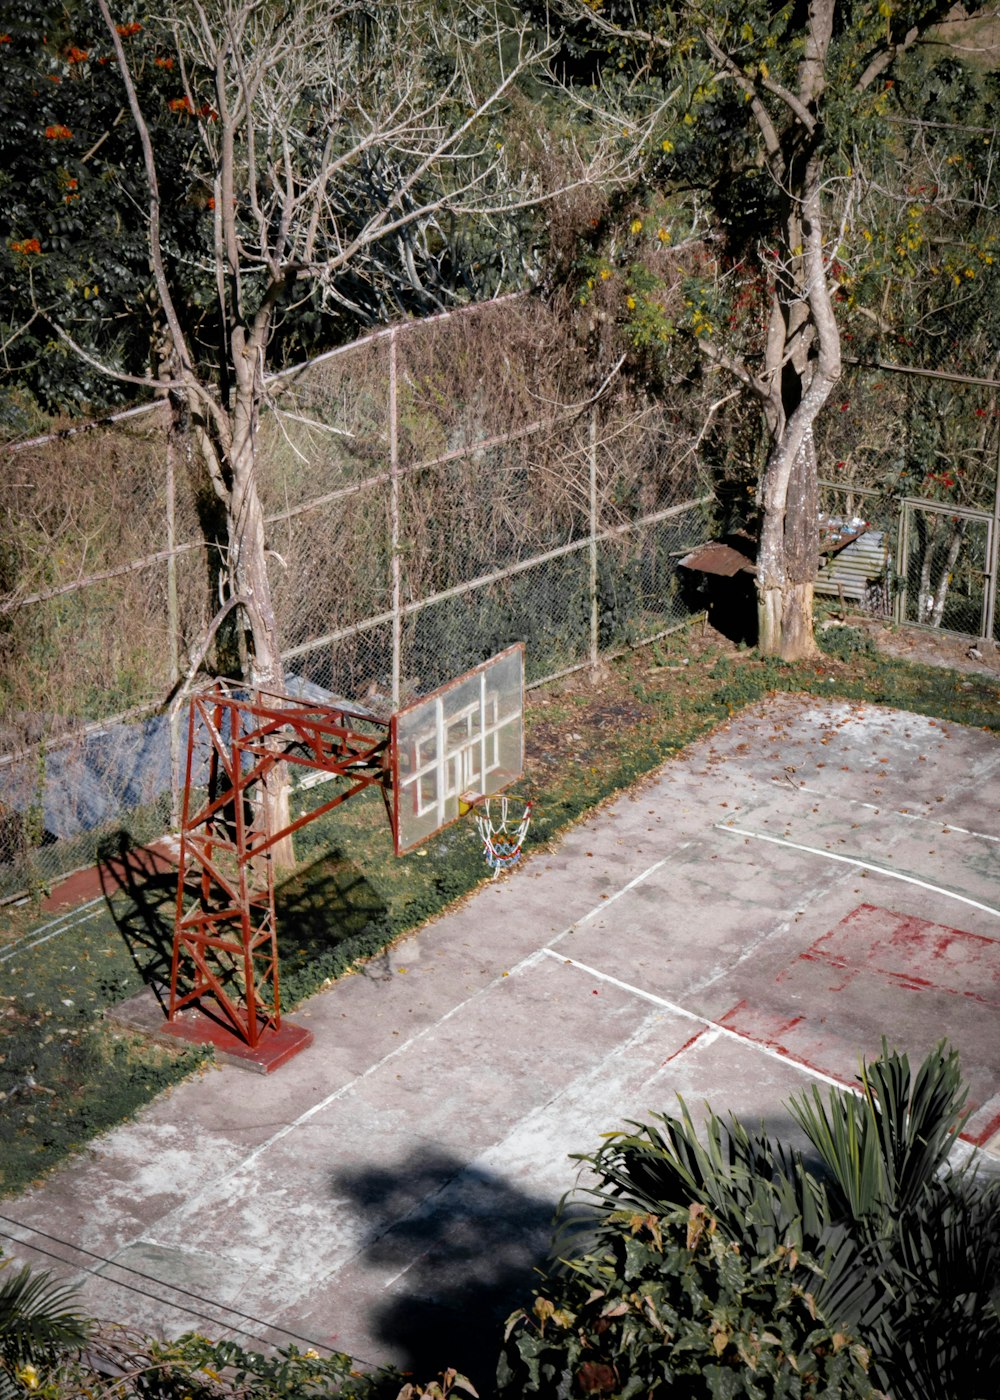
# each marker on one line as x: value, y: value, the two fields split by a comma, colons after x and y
x: 605, y: 273
x: 688, y: 119
x: 663, y: 235
x: 635, y: 226
x: 666, y: 145
x: 313, y: 1355
x: 630, y: 303
x: 28, y: 1376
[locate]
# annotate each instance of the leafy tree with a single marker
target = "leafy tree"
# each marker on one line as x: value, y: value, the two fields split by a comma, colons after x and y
x: 667, y: 1305
x: 921, y: 289
x: 775, y: 112
x: 73, y: 241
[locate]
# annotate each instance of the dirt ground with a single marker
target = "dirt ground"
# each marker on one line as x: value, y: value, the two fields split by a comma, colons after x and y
x: 931, y: 648
x: 608, y: 699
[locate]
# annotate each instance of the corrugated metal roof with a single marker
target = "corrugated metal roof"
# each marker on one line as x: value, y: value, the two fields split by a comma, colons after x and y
x: 718, y: 558
x: 849, y: 572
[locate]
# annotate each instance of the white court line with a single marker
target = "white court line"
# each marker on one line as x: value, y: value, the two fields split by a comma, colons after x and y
x: 64, y: 927
x: 895, y: 811
x: 529, y: 961
x: 714, y: 1026
x: 863, y: 865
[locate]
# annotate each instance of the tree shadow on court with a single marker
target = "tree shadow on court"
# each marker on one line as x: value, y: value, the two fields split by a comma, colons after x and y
x: 461, y: 1245
x: 328, y: 916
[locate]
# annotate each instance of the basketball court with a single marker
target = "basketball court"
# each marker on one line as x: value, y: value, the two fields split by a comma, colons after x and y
x: 744, y: 924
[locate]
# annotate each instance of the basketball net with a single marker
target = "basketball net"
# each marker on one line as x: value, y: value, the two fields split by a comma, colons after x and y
x: 503, y: 824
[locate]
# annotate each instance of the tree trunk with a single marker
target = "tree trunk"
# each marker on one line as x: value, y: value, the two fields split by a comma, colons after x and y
x: 789, y: 550
x: 944, y: 582
x: 249, y: 581
x: 789, y: 544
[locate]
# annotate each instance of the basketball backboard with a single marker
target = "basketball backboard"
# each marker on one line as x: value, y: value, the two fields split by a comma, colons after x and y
x: 464, y: 740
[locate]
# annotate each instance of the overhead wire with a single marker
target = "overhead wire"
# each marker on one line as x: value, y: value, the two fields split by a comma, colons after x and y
x: 103, y: 1261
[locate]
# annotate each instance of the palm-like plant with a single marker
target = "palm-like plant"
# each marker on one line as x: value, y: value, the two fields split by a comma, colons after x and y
x: 39, y: 1323
x: 886, y: 1154
x: 908, y: 1248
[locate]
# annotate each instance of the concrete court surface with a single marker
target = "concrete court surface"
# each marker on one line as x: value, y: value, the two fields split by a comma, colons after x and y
x: 742, y: 925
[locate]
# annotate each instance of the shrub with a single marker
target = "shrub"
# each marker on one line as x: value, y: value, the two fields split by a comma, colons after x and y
x: 722, y: 1266
x: 670, y: 1305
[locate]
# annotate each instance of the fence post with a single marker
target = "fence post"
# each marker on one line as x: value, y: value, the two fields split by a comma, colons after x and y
x: 993, y: 567
x: 592, y: 459
x: 902, y: 563
x: 173, y: 608
x: 397, y: 617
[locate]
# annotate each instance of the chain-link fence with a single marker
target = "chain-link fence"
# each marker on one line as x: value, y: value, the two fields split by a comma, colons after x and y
x: 915, y: 455
x: 432, y: 495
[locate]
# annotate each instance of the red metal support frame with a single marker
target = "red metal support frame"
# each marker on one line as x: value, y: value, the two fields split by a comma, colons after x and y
x: 225, y: 944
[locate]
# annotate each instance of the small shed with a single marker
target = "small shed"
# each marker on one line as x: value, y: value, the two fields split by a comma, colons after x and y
x: 854, y: 563
x: 723, y: 573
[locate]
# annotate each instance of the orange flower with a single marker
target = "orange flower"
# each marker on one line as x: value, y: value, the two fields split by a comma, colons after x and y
x: 164, y: 63
x: 58, y: 133
x: 53, y: 77
x: 5, y: 39
x: 26, y: 245
x: 127, y: 30
x: 76, y: 55
x: 181, y: 104
x: 208, y: 113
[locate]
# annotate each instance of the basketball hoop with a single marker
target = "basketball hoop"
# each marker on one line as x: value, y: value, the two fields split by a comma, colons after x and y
x: 502, y: 823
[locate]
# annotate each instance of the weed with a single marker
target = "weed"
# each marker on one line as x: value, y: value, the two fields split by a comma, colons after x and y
x: 847, y: 643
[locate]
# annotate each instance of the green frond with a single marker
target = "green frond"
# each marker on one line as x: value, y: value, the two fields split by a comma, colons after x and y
x: 38, y: 1318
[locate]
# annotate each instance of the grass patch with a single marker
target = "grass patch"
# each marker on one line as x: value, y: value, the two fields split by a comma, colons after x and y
x: 67, y: 1075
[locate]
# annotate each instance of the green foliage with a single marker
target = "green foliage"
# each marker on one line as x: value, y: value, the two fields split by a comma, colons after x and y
x: 73, y: 240
x: 669, y: 1305
x: 886, y: 1157
x: 886, y: 1258
x: 846, y: 643
x: 39, y: 1322
x: 193, y: 1365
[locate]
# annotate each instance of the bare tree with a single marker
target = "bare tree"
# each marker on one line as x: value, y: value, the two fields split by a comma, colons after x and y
x: 339, y: 142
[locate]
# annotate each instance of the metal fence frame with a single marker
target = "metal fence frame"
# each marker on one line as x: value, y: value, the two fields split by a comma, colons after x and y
x: 40, y: 864
x: 587, y: 546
